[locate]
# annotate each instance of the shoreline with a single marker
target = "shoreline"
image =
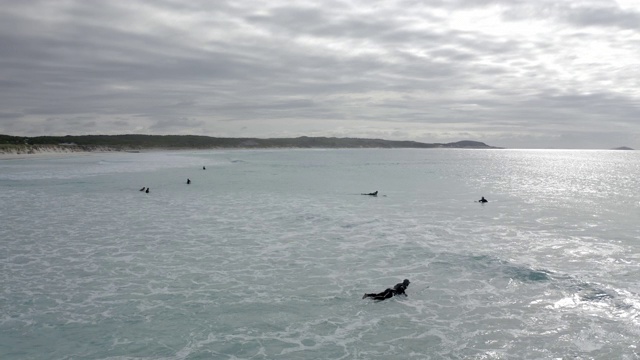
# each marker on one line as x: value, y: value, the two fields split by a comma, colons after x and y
x: 45, y: 155
x: 47, y: 151
x: 57, y: 152
x: 43, y: 152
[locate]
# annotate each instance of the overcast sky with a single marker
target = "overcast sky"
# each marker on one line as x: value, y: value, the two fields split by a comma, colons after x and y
x: 510, y: 73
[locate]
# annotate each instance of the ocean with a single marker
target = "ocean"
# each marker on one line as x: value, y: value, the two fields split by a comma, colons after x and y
x: 267, y: 253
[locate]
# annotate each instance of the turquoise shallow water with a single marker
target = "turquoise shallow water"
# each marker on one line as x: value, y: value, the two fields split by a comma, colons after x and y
x: 266, y: 255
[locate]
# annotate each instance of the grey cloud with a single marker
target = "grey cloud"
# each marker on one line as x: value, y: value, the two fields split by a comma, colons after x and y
x: 582, y: 14
x: 80, y: 125
x: 121, y: 123
x: 603, y: 16
x: 9, y: 115
x: 173, y: 124
x: 173, y: 67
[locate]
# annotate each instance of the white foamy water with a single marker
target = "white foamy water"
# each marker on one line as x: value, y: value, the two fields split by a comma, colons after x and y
x: 266, y: 255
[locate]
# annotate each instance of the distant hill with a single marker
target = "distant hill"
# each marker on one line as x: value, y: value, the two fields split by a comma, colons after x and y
x: 140, y: 142
x: 622, y: 148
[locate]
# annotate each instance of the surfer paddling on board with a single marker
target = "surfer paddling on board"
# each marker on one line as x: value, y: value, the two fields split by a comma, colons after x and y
x: 388, y: 293
x: 483, y: 200
x: 372, y: 194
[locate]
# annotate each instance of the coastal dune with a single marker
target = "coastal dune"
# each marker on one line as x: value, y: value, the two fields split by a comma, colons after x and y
x: 20, y: 146
x: 21, y: 151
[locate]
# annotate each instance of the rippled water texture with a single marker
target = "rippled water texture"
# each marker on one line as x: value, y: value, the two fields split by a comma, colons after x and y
x: 266, y: 255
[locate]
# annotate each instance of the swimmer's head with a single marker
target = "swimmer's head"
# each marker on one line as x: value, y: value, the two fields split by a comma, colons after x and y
x: 406, y: 282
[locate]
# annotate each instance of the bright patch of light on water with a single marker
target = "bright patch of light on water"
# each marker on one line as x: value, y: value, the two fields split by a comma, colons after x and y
x: 266, y: 254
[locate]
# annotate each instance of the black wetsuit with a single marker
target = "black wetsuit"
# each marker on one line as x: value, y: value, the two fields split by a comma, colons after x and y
x: 388, y: 293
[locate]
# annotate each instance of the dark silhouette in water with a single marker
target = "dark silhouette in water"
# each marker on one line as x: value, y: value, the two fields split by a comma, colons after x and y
x: 204, y: 168
x: 147, y: 191
x: 372, y: 194
x: 483, y: 200
x: 143, y: 188
x: 388, y: 293
x: 188, y: 181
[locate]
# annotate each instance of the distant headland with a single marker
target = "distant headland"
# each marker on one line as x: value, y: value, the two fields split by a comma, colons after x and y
x: 87, y: 143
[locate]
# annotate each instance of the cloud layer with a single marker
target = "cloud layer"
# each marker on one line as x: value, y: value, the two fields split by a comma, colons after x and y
x: 512, y: 73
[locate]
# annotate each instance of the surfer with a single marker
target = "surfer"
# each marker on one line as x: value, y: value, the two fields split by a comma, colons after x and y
x: 483, y: 200
x: 372, y: 194
x: 389, y: 292
x: 204, y: 168
x: 188, y: 181
x: 143, y: 188
x: 147, y: 191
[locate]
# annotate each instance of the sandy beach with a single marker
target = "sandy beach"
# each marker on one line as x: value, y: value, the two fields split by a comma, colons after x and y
x: 40, y: 155
x: 39, y: 152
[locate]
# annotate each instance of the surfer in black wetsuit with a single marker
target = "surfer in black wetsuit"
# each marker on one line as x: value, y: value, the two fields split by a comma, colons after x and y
x: 388, y: 293
x: 188, y: 181
x: 483, y: 200
x: 147, y: 191
x: 204, y: 168
x: 372, y: 194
